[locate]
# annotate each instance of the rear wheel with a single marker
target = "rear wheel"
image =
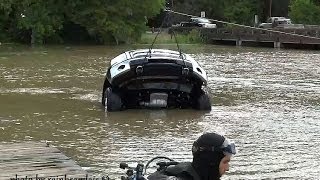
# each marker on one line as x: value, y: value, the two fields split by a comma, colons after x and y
x: 106, y: 84
x: 203, y: 102
x: 112, y: 101
x: 103, y: 99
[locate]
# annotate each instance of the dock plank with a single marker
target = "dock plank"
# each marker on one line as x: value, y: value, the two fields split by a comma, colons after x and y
x: 31, y: 159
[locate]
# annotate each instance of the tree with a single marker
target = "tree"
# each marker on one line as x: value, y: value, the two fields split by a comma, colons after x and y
x: 5, y: 9
x: 36, y: 21
x: 41, y: 19
x: 31, y: 20
x: 280, y: 8
x: 304, y: 12
x: 214, y: 9
x: 242, y: 12
x: 113, y: 20
x: 236, y: 11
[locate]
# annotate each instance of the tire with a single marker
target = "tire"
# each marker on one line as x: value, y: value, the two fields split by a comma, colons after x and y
x: 112, y: 101
x: 103, y: 99
x: 106, y: 84
x: 203, y: 102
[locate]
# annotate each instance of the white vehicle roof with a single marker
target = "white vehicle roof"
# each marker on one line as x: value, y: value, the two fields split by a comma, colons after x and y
x: 155, y: 53
x: 165, y: 54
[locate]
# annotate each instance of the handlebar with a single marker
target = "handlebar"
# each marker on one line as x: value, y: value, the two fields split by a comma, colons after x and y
x: 136, y: 173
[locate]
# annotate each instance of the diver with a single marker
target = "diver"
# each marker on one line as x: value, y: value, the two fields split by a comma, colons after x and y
x: 211, y: 156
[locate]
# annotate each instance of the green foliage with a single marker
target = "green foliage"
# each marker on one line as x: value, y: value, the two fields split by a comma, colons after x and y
x: 104, y: 20
x: 236, y: 11
x: 42, y: 18
x: 280, y: 8
x: 192, y: 37
x: 241, y: 12
x: 5, y: 8
x: 122, y: 21
x: 213, y: 8
x: 23, y: 18
x: 304, y: 12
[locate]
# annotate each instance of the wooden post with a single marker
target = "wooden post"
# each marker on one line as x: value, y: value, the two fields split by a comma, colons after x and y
x: 270, y: 8
x: 276, y: 44
x: 239, y: 42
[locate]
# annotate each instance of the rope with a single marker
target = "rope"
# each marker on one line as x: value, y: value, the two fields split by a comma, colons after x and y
x: 244, y: 26
x: 155, y: 38
x: 174, y: 34
x: 175, y: 38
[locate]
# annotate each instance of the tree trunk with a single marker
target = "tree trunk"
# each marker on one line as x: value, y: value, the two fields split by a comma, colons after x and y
x: 117, y: 40
x: 33, y: 37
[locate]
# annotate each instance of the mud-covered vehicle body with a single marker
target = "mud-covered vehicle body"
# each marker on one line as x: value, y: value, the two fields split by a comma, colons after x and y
x: 157, y: 78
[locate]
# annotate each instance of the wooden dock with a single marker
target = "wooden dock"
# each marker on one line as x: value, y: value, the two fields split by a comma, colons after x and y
x: 37, y: 161
x: 292, y: 38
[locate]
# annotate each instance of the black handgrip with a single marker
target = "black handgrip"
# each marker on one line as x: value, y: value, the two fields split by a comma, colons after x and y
x: 162, y: 164
x: 123, y: 165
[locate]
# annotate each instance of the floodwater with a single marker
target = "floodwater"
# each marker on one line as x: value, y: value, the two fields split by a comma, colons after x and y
x: 266, y: 100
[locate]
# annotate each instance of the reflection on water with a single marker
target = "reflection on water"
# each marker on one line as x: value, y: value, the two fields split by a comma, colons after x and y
x: 266, y: 100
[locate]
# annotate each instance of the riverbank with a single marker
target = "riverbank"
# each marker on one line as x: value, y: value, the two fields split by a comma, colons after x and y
x: 147, y: 38
x: 193, y: 37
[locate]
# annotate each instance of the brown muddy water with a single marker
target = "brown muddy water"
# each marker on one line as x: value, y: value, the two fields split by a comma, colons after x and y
x: 266, y: 100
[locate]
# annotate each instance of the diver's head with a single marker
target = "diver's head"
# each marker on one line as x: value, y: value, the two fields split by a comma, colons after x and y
x: 211, y: 155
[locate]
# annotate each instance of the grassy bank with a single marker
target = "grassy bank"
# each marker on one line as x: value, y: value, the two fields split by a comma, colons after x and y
x: 164, y: 38
x: 193, y: 37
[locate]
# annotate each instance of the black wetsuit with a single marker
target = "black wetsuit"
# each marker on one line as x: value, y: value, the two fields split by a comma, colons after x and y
x: 205, y: 163
x: 182, y: 171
